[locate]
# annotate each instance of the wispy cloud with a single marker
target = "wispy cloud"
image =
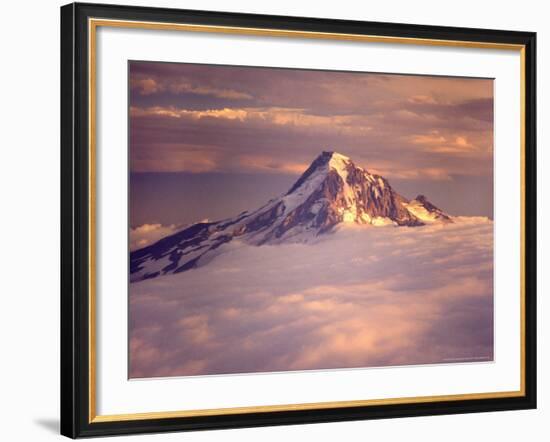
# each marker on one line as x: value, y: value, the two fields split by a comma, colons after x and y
x: 267, y: 164
x: 185, y: 87
x: 457, y: 144
x: 147, y: 234
x: 345, y: 124
x: 150, y: 85
x: 145, y: 86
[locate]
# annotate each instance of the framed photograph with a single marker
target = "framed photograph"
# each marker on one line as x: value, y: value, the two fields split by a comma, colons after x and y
x: 274, y: 220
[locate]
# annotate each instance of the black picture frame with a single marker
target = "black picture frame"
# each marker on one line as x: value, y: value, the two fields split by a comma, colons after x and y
x: 75, y: 221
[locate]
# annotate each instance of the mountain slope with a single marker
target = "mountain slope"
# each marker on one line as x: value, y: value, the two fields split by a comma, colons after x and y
x: 331, y: 191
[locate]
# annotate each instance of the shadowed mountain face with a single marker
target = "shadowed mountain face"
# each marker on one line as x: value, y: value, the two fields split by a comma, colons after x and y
x: 331, y: 191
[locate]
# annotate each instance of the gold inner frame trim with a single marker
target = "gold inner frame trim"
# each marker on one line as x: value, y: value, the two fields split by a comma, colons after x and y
x: 93, y: 24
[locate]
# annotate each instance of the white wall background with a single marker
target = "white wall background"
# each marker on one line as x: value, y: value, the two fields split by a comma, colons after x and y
x: 29, y: 221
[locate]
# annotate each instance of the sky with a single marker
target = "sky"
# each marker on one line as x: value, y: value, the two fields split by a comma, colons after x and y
x: 207, y: 142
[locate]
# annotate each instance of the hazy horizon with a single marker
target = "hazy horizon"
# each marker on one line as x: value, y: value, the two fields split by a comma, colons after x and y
x: 173, y: 209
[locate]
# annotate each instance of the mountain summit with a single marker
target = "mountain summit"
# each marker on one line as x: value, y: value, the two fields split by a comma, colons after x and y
x: 331, y: 191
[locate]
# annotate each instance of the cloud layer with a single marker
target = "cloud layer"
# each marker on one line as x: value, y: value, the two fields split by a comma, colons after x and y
x: 361, y: 297
x: 197, y: 118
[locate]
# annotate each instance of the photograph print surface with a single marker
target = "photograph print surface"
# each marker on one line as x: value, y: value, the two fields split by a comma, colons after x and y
x: 286, y: 219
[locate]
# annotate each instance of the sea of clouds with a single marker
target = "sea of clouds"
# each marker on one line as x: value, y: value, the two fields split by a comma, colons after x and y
x: 359, y: 297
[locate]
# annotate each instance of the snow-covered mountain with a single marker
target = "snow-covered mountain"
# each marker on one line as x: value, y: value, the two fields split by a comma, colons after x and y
x: 331, y: 191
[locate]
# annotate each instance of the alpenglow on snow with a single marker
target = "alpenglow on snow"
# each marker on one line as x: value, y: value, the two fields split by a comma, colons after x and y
x: 333, y: 190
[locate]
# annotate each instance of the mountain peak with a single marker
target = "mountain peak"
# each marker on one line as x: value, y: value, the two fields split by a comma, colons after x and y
x: 333, y: 155
x: 328, y: 156
x: 339, y: 162
x: 421, y: 198
x: 326, y: 161
x: 425, y: 211
x: 339, y: 156
x: 331, y: 158
x: 331, y: 191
